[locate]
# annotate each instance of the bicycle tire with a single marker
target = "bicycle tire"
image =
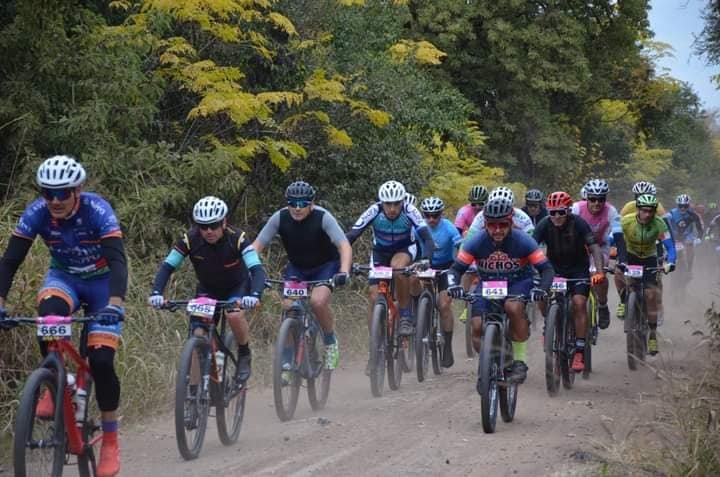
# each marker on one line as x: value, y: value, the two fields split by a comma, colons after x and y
x: 489, y: 369
x: 631, y: 338
x: 378, y: 348
x: 587, y: 356
x: 190, y: 448
x: 508, y: 401
x: 393, y: 356
x: 437, y: 348
x: 318, y: 387
x: 423, y: 330
x: 406, y: 350
x: 552, y: 344
x: 469, y: 349
x: 87, y: 463
x: 229, y: 411
x: 289, y: 336
x: 39, y: 380
x: 569, y: 338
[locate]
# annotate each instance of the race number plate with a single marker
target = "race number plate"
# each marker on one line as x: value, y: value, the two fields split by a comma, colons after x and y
x: 203, y: 307
x: 381, y: 273
x: 53, y: 327
x: 429, y: 273
x: 559, y: 284
x: 295, y: 289
x: 679, y: 246
x: 634, y: 271
x: 494, y: 290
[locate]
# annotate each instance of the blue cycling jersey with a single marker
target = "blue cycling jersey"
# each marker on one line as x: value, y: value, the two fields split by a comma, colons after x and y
x: 447, y: 238
x: 390, y: 235
x: 685, y: 225
x: 74, y: 242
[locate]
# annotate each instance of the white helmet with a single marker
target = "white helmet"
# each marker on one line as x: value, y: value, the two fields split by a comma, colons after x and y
x: 410, y: 199
x: 498, y: 207
x: 644, y: 187
x: 60, y: 172
x: 683, y: 199
x: 502, y: 192
x: 432, y: 205
x: 597, y: 187
x: 392, y: 191
x: 583, y: 192
x: 209, y: 210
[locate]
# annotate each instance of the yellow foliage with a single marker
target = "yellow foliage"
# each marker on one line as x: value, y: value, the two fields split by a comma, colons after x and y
x: 648, y: 164
x: 282, y: 22
x: 611, y: 110
x: 338, y: 137
x: 424, y: 52
x: 319, y: 87
x: 350, y: 3
x: 274, y: 98
x: 120, y: 5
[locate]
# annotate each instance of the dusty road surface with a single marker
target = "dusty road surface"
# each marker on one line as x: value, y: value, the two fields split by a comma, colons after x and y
x: 433, y: 428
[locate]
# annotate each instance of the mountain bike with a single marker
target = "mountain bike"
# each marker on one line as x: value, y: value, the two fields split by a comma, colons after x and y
x: 496, y: 356
x: 206, y: 377
x: 636, y: 324
x: 387, y: 348
x: 429, y: 339
x: 297, y: 351
x: 42, y: 446
x: 559, y: 333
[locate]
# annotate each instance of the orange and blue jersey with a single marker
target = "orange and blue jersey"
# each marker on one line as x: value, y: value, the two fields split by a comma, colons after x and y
x: 74, y: 242
x: 512, y: 260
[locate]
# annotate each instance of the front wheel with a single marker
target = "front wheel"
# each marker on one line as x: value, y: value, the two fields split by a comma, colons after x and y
x: 566, y: 356
x: 318, y: 387
x: 423, y: 331
x: 91, y: 425
x: 469, y: 349
x: 39, y: 445
x: 192, y: 402
x: 552, y: 344
x: 635, y: 349
x: 378, y: 349
x: 230, y: 404
x: 286, y: 369
x: 488, y: 372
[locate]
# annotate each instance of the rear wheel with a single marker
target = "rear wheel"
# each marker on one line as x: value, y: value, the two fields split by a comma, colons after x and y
x: 192, y: 404
x: 318, y: 387
x: 508, y: 401
x: 587, y: 354
x: 90, y: 426
x: 395, y: 345
x: 552, y: 344
x: 39, y: 444
x: 286, y: 369
x: 423, y: 342
x: 230, y: 404
x: 378, y: 348
x: 437, y: 343
x: 488, y: 372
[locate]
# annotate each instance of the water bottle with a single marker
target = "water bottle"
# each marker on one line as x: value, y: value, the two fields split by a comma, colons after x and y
x: 219, y: 363
x: 80, y: 403
x: 71, y: 384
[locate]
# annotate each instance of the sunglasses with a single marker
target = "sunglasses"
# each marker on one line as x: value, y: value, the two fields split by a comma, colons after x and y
x: 683, y: 206
x: 558, y: 213
x: 647, y: 210
x: 59, y: 194
x: 432, y: 216
x: 213, y: 226
x: 298, y: 204
x: 596, y: 199
x: 501, y: 225
x: 532, y: 204
x: 478, y: 204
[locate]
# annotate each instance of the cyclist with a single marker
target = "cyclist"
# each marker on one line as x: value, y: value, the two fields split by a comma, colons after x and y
x: 447, y: 239
x: 410, y: 199
x: 317, y: 250
x: 534, y: 207
x: 641, y: 230
x: 394, y: 243
x: 604, y: 221
x: 583, y: 193
x: 226, y: 267
x: 478, y: 196
x: 686, y: 226
x: 519, y: 218
x: 503, y: 253
x: 568, y: 237
x: 88, y: 267
x: 638, y: 189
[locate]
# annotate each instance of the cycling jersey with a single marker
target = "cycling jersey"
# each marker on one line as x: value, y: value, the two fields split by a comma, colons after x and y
x: 446, y: 238
x: 685, y: 225
x: 219, y: 267
x: 631, y: 208
x: 393, y: 235
x: 464, y: 218
x: 520, y: 221
x: 603, y: 224
x: 536, y: 218
x: 74, y: 242
x: 640, y: 239
x: 309, y: 243
x: 567, y: 246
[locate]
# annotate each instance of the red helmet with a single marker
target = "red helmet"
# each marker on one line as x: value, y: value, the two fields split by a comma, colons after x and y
x: 559, y: 200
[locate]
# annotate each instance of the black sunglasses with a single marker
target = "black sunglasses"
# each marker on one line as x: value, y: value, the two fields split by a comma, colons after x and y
x: 432, y: 216
x: 558, y: 213
x: 59, y: 194
x: 477, y: 204
x: 596, y: 199
x: 213, y: 226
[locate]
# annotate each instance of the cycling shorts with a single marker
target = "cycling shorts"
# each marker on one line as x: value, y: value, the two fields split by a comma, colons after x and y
x: 92, y: 294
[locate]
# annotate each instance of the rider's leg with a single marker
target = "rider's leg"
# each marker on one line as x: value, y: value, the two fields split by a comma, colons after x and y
x: 579, y: 311
x: 619, y: 279
x: 446, y: 325
x: 402, y: 292
x: 519, y: 333
x: 320, y: 304
x: 372, y: 297
x: 241, y: 330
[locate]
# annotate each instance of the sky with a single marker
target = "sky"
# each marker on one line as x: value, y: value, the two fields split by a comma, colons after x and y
x: 675, y: 22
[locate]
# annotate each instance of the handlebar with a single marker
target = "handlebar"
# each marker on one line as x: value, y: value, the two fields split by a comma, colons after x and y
x: 473, y: 297
x: 27, y: 320
x: 175, y: 305
x: 276, y: 281
x: 409, y: 270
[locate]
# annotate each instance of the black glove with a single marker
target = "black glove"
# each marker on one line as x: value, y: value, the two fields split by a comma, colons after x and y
x: 422, y: 264
x: 340, y: 279
x: 111, y: 315
x: 621, y: 266
x: 456, y: 291
x: 537, y: 294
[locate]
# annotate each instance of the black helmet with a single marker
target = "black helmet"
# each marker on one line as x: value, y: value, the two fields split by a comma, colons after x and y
x: 534, y: 195
x: 300, y: 190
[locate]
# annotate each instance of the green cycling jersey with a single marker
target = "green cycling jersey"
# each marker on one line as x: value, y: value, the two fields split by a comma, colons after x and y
x: 640, y: 239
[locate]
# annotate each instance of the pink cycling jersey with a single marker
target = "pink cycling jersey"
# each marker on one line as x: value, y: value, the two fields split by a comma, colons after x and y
x: 465, y: 217
x: 601, y: 224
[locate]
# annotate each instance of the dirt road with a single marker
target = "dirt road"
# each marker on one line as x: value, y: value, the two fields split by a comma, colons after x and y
x: 432, y: 428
